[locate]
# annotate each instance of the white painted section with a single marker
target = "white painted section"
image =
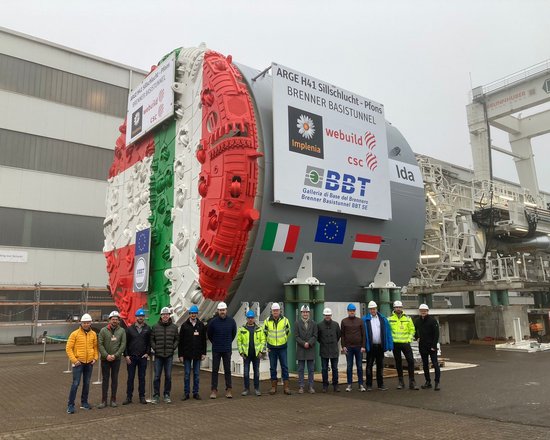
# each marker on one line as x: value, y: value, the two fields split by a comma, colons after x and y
x: 186, y: 213
x: 39, y: 191
x: 128, y: 205
x: 66, y: 59
x: 36, y: 116
x: 56, y: 268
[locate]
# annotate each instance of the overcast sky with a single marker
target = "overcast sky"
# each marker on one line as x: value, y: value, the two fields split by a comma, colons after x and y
x: 415, y: 57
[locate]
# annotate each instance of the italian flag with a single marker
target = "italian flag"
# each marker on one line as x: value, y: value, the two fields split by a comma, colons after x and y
x: 366, y: 246
x: 280, y: 237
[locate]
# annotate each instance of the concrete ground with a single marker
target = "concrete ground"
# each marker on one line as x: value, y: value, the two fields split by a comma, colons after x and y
x: 506, y: 397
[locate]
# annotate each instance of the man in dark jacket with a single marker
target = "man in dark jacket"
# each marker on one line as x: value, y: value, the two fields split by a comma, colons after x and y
x: 427, y: 332
x: 378, y: 340
x: 192, y: 350
x: 164, y: 341
x: 221, y: 331
x: 353, y: 345
x: 306, y: 338
x: 138, y: 348
x: 328, y: 335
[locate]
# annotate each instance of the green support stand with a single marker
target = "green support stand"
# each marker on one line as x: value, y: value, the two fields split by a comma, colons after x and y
x: 319, y: 305
x: 290, y: 313
x: 499, y: 298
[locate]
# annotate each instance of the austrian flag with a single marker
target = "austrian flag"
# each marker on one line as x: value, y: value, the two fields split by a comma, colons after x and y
x: 366, y: 246
x: 280, y: 237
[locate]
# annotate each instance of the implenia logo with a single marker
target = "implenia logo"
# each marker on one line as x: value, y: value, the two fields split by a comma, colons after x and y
x: 305, y: 132
x: 314, y: 177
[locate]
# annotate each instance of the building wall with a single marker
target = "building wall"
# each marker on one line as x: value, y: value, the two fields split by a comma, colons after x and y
x: 59, y: 120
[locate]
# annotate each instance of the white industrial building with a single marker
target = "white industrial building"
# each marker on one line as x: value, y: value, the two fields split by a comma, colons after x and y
x: 59, y: 117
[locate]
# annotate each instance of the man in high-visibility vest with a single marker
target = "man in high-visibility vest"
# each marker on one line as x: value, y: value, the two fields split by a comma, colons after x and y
x: 277, y: 329
x: 402, y: 330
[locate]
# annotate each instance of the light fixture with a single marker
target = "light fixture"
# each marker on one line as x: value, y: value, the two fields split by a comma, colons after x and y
x: 519, y: 228
x: 429, y: 256
x: 506, y: 197
x: 533, y: 205
x: 430, y: 197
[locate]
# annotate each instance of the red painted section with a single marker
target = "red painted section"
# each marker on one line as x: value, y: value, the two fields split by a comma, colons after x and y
x: 125, y: 156
x: 229, y: 175
x: 120, y: 267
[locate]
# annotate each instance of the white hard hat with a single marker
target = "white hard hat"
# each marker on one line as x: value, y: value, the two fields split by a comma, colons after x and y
x: 165, y: 310
x: 222, y: 305
x: 372, y: 305
x: 113, y: 314
x: 397, y: 303
x: 423, y: 307
x: 86, y: 318
x: 305, y: 308
x: 275, y: 306
x: 327, y: 311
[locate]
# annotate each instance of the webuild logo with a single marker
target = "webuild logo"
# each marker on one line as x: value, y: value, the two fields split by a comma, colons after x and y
x: 305, y: 132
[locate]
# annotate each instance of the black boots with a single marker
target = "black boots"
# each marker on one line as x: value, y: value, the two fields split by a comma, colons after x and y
x: 401, y: 384
x: 426, y: 385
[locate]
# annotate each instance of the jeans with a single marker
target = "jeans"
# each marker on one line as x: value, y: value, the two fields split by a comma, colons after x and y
x: 82, y: 370
x: 376, y: 354
x: 281, y: 355
x: 163, y: 363
x: 301, y: 368
x: 405, y: 347
x: 226, y: 358
x: 141, y: 364
x: 255, y: 361
x: 196, y: 364
x: 333, y: 367
x: 431, y: 355
x: 109, y: 369
x: 355, y: 353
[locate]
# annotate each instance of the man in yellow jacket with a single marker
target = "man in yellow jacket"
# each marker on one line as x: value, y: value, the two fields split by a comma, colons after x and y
x: 251, y: 344
x: 277, y: 329
x: 83, y: 353
x: 402, y: 329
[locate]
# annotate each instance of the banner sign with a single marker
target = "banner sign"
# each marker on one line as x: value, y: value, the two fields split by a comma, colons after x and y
x: 11, y: 256
x: 330, y: 148
x: 152, y: 101
x: 141, y: 260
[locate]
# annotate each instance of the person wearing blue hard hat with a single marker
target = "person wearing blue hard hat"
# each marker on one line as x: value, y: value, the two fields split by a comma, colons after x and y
x: 353, y: 345
x: 138, y: 349
x: 191, y: 351
x: 251, y: 342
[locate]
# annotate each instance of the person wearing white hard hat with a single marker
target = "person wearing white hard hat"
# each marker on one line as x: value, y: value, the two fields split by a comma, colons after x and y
x: 427, y: 332
x: 164, y: 341
x: 402, y: 330
x: 328, y: 335
x: 277, y: 330
x: 221, y: 331
x: 306, y: 338
x: 378, y: 340
x: 83, y: 353
x: 111, y: 343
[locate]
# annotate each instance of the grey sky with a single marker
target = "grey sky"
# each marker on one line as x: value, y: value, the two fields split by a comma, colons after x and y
x: 415, y: 57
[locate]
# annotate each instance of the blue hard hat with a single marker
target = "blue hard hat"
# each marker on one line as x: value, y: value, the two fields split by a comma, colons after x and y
x: 193, y: 309
x: 351, y: 307
x: 140, y: 312
x: 250, y: 314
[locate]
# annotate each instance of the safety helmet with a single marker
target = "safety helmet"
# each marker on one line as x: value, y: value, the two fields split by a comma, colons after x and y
x: 86, y: 318
x: 351, y: 306
x: 397, y: 303
x: 372, y: 305
x: 140, y: 312
x: 193, y: 309
x: 275, y: 306
x: 327, y: 312
x: 250, y: 314
x: 222, y: 305
x: 165, y: 310
x: 423, y: 307
x: 113, y: 314
x: 304, y: 308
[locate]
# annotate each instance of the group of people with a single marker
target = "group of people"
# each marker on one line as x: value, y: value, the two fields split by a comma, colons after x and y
x: 374, y: 334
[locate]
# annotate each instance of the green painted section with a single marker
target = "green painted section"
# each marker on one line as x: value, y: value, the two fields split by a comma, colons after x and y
x: 162, y: 201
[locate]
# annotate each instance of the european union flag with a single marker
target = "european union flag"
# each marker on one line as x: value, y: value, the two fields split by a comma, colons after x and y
x: 331, y: 230
x: 142, y: 241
